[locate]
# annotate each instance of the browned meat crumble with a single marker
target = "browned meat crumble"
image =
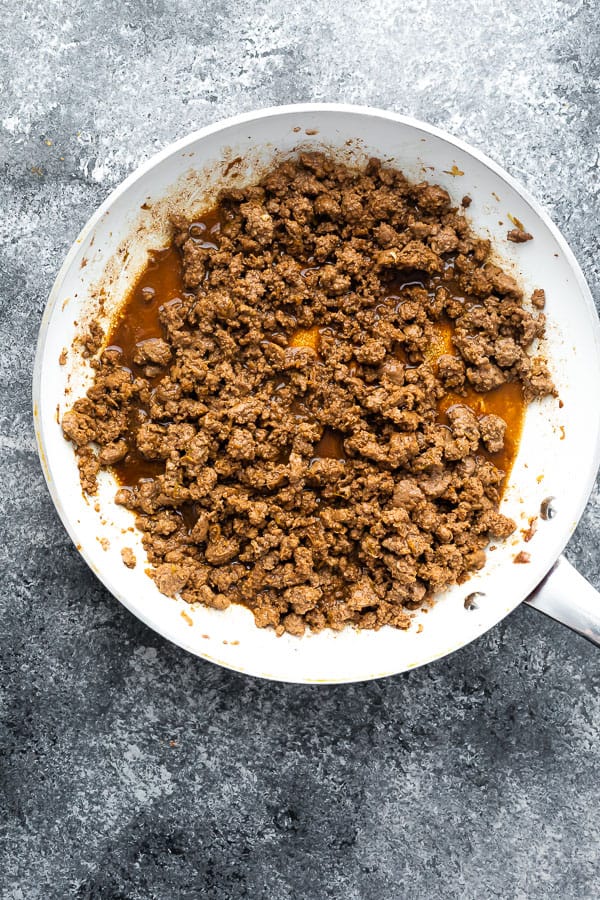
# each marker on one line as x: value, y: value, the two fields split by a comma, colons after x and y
x: 322, y: 485
x: 538, y: 298
x: 518, y: 236
x: 128, y: 557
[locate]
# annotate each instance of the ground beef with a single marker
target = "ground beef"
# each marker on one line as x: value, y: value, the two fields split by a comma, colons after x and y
x: 128, y: 557
x: 290, y: 431
x: 493, y: 429
x: 113, y: 453
x: 538, y: 298
x: 92, y: 339
x: 153, y: 350
x: 518, y: 236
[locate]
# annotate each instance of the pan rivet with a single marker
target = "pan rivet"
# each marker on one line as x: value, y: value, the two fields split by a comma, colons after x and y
x: 547, y: 508
x: 470, y: 601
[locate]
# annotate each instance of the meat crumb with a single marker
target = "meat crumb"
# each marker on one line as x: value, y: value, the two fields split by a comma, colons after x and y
x: 538, y: 298
x: 493, y: 429
x: 128, y: 557
x: 518, y: 237
x: 92, y: 339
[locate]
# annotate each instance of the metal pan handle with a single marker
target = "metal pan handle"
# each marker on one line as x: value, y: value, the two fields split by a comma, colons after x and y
x: 565, y: 596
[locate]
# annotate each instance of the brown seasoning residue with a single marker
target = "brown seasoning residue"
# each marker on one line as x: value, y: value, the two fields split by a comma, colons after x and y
x: 455, y: 171
x: 231, y: 165
x: 516, y: 222
x: 529, y: 532
x: 522, y: 557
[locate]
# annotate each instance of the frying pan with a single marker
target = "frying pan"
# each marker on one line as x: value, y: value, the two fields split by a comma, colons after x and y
x: 558, y: 454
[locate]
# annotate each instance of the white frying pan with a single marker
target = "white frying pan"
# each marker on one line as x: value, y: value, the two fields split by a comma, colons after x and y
x: 559, y: 450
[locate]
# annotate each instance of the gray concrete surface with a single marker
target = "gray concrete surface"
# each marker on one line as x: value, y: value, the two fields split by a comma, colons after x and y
x: 132, y: 770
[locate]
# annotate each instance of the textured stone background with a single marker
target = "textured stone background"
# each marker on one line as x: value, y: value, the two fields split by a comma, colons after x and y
x: 132, y: 770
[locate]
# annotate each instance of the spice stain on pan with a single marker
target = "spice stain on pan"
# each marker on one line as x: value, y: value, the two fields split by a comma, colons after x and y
x: 454, y: 171
x: 516, y: 222
x: 530, y: 531
x: 522, y: 557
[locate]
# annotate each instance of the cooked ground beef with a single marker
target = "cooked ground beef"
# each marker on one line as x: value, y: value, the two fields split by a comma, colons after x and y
x: 538, y: 298
x: 128, y: 557
x: 288, y: 417
x: 518, y: 236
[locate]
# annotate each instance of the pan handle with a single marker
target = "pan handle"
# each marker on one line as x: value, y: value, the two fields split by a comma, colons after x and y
x: 565, y: 596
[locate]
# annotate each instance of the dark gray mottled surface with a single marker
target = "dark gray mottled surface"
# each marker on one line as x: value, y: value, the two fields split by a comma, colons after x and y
x: 132, y: 770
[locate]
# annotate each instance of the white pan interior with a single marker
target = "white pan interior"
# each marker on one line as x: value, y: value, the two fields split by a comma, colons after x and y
x: 558, y: 454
